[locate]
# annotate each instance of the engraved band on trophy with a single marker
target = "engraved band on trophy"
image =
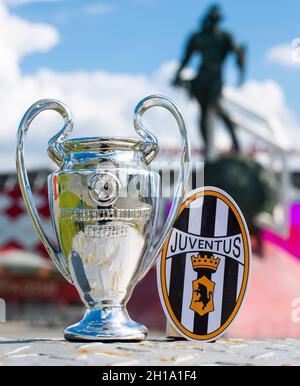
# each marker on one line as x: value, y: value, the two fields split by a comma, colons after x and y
x: 105, y: 233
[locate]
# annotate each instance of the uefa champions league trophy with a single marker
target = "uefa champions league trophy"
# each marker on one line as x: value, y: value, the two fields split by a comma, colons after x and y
x: 104, y: 205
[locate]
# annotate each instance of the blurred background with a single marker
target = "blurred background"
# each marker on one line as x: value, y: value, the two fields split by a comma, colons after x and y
x: 100, y: 58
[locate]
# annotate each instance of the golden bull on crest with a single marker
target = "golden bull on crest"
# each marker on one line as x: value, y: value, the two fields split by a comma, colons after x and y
x: 203, y: 288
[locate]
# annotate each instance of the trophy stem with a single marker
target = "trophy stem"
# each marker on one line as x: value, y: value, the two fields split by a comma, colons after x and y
x: 106, y: 324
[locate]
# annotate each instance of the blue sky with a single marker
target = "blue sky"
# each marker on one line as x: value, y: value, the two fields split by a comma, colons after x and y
x: 102, y: 56
x: 136, y: 36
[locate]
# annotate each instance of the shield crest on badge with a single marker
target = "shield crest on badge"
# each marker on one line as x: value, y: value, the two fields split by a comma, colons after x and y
x: 203, y: 296
x: 204, y: 268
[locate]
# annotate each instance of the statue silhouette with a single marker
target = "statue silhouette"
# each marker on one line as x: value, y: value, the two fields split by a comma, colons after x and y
x: 213, y: 45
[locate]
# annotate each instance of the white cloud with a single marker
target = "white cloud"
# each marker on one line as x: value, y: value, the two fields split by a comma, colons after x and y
x: 99, y: 9
x: 287, y: 55
x: 18, y: 38
x: 102, y: 102
x: 268, y: 98
x: 25, y: 2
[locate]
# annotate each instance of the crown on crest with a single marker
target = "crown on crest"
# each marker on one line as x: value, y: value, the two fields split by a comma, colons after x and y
x: 206, y: 262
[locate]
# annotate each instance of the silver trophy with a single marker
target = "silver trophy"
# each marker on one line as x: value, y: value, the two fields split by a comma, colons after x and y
x: 104, y: 202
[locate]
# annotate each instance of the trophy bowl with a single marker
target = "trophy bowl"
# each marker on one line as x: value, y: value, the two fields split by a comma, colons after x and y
x: 104, y: 202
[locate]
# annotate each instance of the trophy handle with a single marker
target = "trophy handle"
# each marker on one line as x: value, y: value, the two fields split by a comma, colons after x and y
x: 57, y: 154
x: 143, y: 106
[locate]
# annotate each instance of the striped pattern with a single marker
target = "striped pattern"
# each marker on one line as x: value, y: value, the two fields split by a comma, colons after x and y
x: 207, y: 216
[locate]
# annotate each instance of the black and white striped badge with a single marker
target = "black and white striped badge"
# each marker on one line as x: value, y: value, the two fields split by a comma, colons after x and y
x: 204, y: 268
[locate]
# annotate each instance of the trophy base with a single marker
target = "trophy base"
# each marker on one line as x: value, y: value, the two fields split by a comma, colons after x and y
x: 106, y: 324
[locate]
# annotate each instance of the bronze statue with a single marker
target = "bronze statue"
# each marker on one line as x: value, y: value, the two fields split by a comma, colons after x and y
x: 214, y: 45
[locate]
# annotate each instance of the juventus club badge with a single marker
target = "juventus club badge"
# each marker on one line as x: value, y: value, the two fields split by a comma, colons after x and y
x: 204, y: 268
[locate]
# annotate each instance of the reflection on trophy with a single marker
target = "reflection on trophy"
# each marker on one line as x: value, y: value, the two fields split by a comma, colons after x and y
x: 104, y: 205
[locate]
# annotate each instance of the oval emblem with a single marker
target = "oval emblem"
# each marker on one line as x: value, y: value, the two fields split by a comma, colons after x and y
x: 204, y: 268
